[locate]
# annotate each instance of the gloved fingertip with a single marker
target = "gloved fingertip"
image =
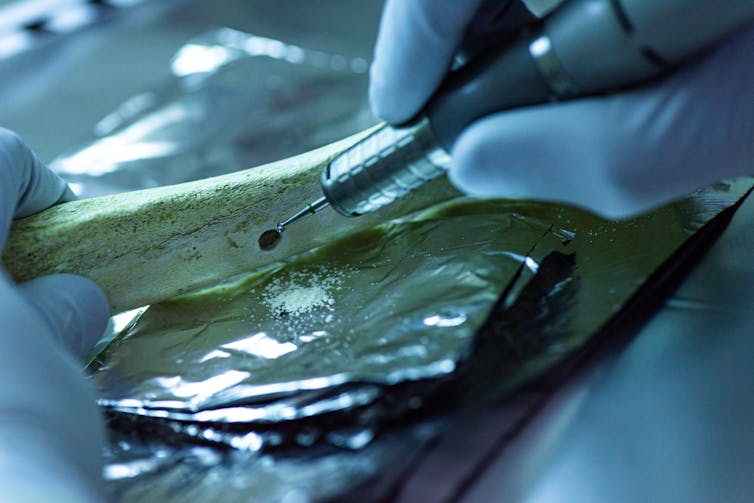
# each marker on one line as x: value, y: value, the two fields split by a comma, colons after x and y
x: 33, y: 186
x: 387, y: 107
x: 75, y: 307
x: 482, y: 166
x: 414, y: 51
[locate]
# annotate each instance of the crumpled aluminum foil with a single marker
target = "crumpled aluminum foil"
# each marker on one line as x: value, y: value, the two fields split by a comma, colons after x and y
x: 399, y: 303
x: 559, y: 290
x: 236, y: 100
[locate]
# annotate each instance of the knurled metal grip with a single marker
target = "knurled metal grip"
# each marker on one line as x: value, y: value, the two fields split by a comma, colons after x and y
x: 382, y: 168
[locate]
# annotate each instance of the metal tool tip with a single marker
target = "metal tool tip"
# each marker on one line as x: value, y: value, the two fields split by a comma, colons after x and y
x: 310, y: 209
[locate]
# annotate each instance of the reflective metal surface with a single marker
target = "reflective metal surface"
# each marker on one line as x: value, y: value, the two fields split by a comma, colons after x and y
x: 556, y: 296
x: 399, y: 303
x: 386, y: 165
x: 206, y: 119
x: 664, y: 418
x: 552, y: 70
x: 26, y: 24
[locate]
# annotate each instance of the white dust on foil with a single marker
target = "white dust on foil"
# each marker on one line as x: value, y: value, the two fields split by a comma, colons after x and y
x: 297, y: 299
x: 304, y: 300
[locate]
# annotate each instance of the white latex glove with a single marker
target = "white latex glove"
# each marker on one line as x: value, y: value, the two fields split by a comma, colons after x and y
x: 617, y: 155
x: 51, y: 432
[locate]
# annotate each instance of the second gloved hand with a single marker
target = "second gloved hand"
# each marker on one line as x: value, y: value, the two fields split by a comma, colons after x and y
x: 616, y: 155
x: 51, y: 432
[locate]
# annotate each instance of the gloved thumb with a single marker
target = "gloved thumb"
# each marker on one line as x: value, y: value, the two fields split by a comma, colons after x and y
x: 75, y: 308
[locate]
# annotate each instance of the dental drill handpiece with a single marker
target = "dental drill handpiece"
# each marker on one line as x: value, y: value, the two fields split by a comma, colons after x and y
x: 583, y: 48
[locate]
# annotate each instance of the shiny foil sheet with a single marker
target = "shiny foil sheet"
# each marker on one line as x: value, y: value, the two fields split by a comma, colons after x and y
x: 234, y: 100
x: 221, y: 395
x: 399, y: 303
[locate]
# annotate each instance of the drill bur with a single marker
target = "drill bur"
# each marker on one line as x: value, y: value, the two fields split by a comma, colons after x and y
x: 310, y: 209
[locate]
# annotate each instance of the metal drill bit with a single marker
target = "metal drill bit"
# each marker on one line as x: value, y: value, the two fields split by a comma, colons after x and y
x: 309, y: 209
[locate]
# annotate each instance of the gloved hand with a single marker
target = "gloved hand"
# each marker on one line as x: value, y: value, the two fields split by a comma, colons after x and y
x: 617, y: 155
x: 50, y: 429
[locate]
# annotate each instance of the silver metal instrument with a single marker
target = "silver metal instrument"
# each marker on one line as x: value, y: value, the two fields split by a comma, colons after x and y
x: 583, y: 48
